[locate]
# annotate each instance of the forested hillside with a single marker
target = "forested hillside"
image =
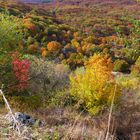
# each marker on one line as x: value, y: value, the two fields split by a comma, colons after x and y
x: 73, y: 66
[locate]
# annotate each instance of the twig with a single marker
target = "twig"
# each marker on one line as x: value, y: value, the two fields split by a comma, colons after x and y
x: 10, y: 111
x: 110, y: 113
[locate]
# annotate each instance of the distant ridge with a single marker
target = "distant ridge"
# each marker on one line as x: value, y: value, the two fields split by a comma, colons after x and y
x: 35, y: 1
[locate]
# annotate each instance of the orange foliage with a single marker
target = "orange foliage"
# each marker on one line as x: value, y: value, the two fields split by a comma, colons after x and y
x: 53, y: 46
x: 29, y: 25
x: 113, y: 37
x: 79, y: 50
x: 87, y: 47
x: 102, y: 45
x: 32, y: 47
x: 75, y: 34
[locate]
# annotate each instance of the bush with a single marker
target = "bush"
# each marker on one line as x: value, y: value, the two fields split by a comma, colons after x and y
x: 47, y: 76
x: 129, y: 82
x: 138, y: 62
x: 61, y: 99
x: 9, y: 32
x: 93, y: 88
x: 131, y: 54
x: 121, y: 66
x: 53, y: 46
x: 10, y: 37
x: 135, y: 70
x: 26, y: 103
x: 31, y: 26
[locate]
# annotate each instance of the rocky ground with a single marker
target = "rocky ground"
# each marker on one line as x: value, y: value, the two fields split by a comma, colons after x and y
x: 56, y: 127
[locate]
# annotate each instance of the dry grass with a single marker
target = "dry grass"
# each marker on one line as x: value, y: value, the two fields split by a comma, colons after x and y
x: 69, y: 124
x: 64, y: 124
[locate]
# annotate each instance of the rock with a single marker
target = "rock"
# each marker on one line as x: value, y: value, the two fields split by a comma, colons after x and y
x: 117, y: 74
x: 22, y: 119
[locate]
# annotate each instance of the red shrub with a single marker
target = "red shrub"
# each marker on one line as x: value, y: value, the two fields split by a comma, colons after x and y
x: 21, y: 69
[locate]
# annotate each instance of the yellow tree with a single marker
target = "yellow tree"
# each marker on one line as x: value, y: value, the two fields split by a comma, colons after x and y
x: 93, y: 87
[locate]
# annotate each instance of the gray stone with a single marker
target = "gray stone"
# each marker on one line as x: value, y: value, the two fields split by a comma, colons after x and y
x: 22, y: 119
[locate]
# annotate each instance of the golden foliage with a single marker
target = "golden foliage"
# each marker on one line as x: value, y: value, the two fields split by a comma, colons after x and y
x: 75, y: 43
x: 94, y: 86
x: 44, y: 52
x: 100, y: 63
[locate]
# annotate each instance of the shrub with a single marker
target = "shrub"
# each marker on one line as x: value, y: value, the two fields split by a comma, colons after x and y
x: 31, y: 26
x: 128, y: 82
x: 21, y: 69
x: 93, y: 88
x: 10, y: 37
x: 9, y: 31
x: 62, y: 98
x: 30, y: 40
x: 135, y: 70
x: 26, y: 103
x: 32, y: 48
x: 121, y: 66
x: 75, y: 43
x: 47, y: 76
x: 138, y: 62
x: 53, y: 46
x: 131, y: 54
